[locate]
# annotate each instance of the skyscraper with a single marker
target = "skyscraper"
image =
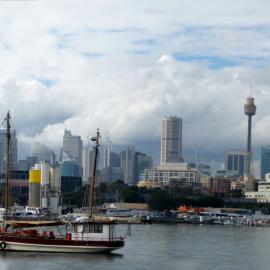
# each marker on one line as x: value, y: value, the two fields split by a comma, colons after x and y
x: 115, y: 160
x: 171, y: 140
x: 265, y: 161
x: 107, y: 149
x: 87, y: 164
x: 142, y: 162
x: 72, y: 146
x: 237, y: 163
x: 3, y: 149
x: 128, y: 165
x: 112, y: 168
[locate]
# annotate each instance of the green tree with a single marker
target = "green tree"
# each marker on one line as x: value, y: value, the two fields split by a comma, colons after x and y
x: 237, y: 193
x: 162, y: 201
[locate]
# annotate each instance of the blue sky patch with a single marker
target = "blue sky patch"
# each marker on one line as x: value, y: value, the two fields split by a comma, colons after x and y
x: 219, y: 62
x: 212, y: 61
x: 47, y: 82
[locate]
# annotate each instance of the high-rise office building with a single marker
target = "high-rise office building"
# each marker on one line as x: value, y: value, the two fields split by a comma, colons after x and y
x: 112, y: 171
x: 133, y: 165
x: 115, y: 160
x: 107, y: 149
x: 237, y: 163
x: 142, y: 162
x: 43, y: 153
x: 171, y: 140
x: 71, y: 168
x: 70, y: 165
x: 3, y: 149
x: 87, y: 164
x: 72, y: 146
x: 265, y: 161
x: 128, y: 165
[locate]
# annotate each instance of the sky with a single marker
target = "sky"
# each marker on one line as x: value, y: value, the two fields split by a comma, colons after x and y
x: 121, y: 65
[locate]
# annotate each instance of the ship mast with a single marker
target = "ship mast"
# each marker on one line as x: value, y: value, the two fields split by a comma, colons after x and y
x: 7, y: 197
x: 93, y: 180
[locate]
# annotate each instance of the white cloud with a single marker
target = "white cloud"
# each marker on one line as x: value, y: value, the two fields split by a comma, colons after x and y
x: 210, y: 102
x: 122, y: 65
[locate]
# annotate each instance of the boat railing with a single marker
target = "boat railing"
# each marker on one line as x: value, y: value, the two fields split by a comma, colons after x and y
x: 33, y: 234
x: 87, y: 238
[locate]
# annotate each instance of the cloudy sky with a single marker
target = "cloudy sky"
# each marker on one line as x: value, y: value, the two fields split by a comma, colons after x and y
x: 122, y: 65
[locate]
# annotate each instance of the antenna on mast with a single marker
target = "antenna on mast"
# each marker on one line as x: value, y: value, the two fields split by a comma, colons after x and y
x: 251, y: 90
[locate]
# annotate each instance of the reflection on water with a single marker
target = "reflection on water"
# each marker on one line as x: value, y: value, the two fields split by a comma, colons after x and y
x: 32, y: 260
x: 61, y: 256
x: 169, y: 247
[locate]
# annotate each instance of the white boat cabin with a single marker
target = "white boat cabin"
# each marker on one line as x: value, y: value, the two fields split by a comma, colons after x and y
x: 93, y: 232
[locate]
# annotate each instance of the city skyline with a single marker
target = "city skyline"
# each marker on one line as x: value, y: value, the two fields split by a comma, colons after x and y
x: 168, y: 123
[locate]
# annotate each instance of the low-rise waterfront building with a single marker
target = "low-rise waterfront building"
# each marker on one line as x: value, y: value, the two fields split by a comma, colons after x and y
x: 237, y: 183
x: 217, y: 186
x: 263, y: 193
x: 169, y: 173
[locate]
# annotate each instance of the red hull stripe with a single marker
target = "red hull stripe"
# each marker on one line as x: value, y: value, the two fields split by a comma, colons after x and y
x: 62, y: 242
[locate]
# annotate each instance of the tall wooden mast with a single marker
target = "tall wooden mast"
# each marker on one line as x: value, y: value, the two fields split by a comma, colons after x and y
x: 93, y: 180
x: 7, y: 174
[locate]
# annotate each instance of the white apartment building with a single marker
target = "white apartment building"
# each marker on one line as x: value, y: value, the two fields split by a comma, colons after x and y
x: 263, y: 193
x: 177, y: 173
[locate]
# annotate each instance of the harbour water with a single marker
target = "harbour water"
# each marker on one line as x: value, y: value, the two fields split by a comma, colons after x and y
x: 180, y: 246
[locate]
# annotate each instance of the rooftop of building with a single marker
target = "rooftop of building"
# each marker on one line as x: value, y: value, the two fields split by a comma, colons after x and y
x: 174, y: 166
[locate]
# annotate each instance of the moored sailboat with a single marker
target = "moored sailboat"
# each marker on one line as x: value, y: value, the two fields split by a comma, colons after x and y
x: 88, y: 236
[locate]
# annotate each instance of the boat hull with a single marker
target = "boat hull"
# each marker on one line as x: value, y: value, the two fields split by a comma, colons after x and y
x: 55, y: 245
